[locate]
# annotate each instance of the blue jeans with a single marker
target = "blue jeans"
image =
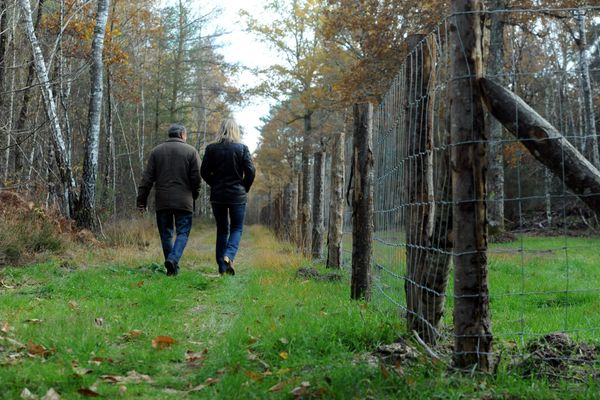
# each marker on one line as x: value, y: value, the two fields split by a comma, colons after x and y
x: 230, y: 223
x: 166, y: 220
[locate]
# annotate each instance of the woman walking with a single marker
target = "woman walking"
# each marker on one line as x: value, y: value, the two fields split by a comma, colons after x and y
x: 227, y: 168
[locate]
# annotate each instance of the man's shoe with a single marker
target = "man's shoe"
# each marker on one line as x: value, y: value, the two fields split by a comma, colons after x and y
x: 229, y: 266
x: 171, y: 268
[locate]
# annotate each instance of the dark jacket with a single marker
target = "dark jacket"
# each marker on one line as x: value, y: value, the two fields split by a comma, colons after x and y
x: 228, y: 170
x: 174, y: 167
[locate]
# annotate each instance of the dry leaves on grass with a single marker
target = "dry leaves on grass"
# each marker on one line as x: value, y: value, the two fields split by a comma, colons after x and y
x: 133, y: 334
x: 131, y: 377
x: 195, y: 359
x: 299, y: 391
x: 208, y: 382
x: 161, y: 342
x: 86, y: 392
x: 5, y: 327
x: 35, y: 350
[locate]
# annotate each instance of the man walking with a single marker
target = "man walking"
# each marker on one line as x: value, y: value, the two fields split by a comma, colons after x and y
x: 174, y: 168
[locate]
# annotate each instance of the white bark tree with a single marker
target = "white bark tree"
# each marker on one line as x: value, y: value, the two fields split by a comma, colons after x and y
x: 86, y: 215
x: 58, y: 140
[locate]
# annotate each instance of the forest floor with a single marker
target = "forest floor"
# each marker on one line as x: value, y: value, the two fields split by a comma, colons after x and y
x: 103, y: 320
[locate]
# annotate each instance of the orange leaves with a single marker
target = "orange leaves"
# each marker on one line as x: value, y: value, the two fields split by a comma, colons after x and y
x: 38, y: 350
x: 161, y: 342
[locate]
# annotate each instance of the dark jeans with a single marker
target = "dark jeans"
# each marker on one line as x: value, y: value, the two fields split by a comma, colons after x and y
x: 166, y: 220
x: 230, y: 223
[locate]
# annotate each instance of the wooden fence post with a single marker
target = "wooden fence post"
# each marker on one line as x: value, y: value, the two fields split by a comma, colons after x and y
x: 472, y: 322
x: 362, y: 202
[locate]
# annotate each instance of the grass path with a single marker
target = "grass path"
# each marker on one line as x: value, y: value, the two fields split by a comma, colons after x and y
x: 103, y: 322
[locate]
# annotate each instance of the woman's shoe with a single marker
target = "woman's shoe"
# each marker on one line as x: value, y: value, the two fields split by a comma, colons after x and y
x: 229, y: 265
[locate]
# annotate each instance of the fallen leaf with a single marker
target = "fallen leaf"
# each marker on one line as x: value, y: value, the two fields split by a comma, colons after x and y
x: 253, y: 375
x: 283, y: 371
x: 322, y: 311
x: 211, y: 381
x: 252, y: 339
x: 161, y: 342
x: 5, y: 327
x: 300, y: 390
x: 51, y: 394
x: 80, y: 371
x: 132, y: 377
x: 85, y: 392
x: 140, y: 284
x: 284, y: 340
x: 6, y: 286
x: 277, y: 387
x: 221, y: 371
x: 33, y: 321
x: 284, y: 355
x: 135, y: 333
x: 122, y: 389
x: 73, y: 305
x: 99, y: 321
x: 100, y: 360
x: 27, y: 395
x: 195, y: 359
x: 34, y: 349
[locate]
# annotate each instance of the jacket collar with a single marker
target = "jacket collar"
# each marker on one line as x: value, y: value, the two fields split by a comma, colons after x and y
x: 175, y: 139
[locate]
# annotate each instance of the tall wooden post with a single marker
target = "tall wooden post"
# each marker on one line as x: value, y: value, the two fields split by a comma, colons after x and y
x: 472, y: 323
x: 418, y: 180
x: 362, y: 202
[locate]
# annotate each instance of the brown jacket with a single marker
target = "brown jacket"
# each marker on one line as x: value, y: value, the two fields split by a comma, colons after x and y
x: 174, y: 167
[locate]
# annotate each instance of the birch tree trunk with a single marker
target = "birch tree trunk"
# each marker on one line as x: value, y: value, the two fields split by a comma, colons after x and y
x: 336, y: 205
x: 472, y: 322
x: 318, y: 204
x: 86, y: 213
x: 495, y: 70
x: 58, y: 140
x: 362, y: 202
x: 586, y: 86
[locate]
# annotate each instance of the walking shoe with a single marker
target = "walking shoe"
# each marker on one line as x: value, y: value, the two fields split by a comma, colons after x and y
x: 171, y: 268
x: 229, y: 265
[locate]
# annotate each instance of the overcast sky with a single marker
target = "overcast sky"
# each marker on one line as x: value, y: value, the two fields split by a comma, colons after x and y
x: 242, y: 47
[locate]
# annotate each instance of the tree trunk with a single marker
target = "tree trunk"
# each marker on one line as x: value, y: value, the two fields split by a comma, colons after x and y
x: 318, y: 204
x: 472, y: 323
x: 544, y: 142
x: 586, y: 86
x: 305, y: 207
x: 86, y: 213
x: 495, y: 70
x: 177, y: 63
x: 418, y: 179
x: 362, y: 202
x: 422, y: 260
x: 3, y: 46
x: 293, y: 209
x: 336, y: 204
x: 58, y: 141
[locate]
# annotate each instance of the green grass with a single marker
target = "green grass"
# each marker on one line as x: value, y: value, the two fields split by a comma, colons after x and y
x: 261, y: 333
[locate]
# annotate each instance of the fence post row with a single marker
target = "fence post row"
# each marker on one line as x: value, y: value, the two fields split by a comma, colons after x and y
x: 472, y: 322
x: 362, y: 201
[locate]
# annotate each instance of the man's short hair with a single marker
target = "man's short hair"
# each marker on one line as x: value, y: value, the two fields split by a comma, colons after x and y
x: 176, y: 130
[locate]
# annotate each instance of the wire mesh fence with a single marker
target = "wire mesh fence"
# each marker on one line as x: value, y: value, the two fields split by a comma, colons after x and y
x: 543, y: 247
x: 541, y: 188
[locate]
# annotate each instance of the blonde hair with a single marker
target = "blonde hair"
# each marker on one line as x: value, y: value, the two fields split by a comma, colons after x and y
x: 229, y: 131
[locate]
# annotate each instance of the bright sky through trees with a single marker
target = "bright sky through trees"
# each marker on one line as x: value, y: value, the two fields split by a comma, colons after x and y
x: 244, y: 48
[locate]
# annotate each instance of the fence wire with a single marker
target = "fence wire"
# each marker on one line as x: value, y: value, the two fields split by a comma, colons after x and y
x: 544, y: 286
